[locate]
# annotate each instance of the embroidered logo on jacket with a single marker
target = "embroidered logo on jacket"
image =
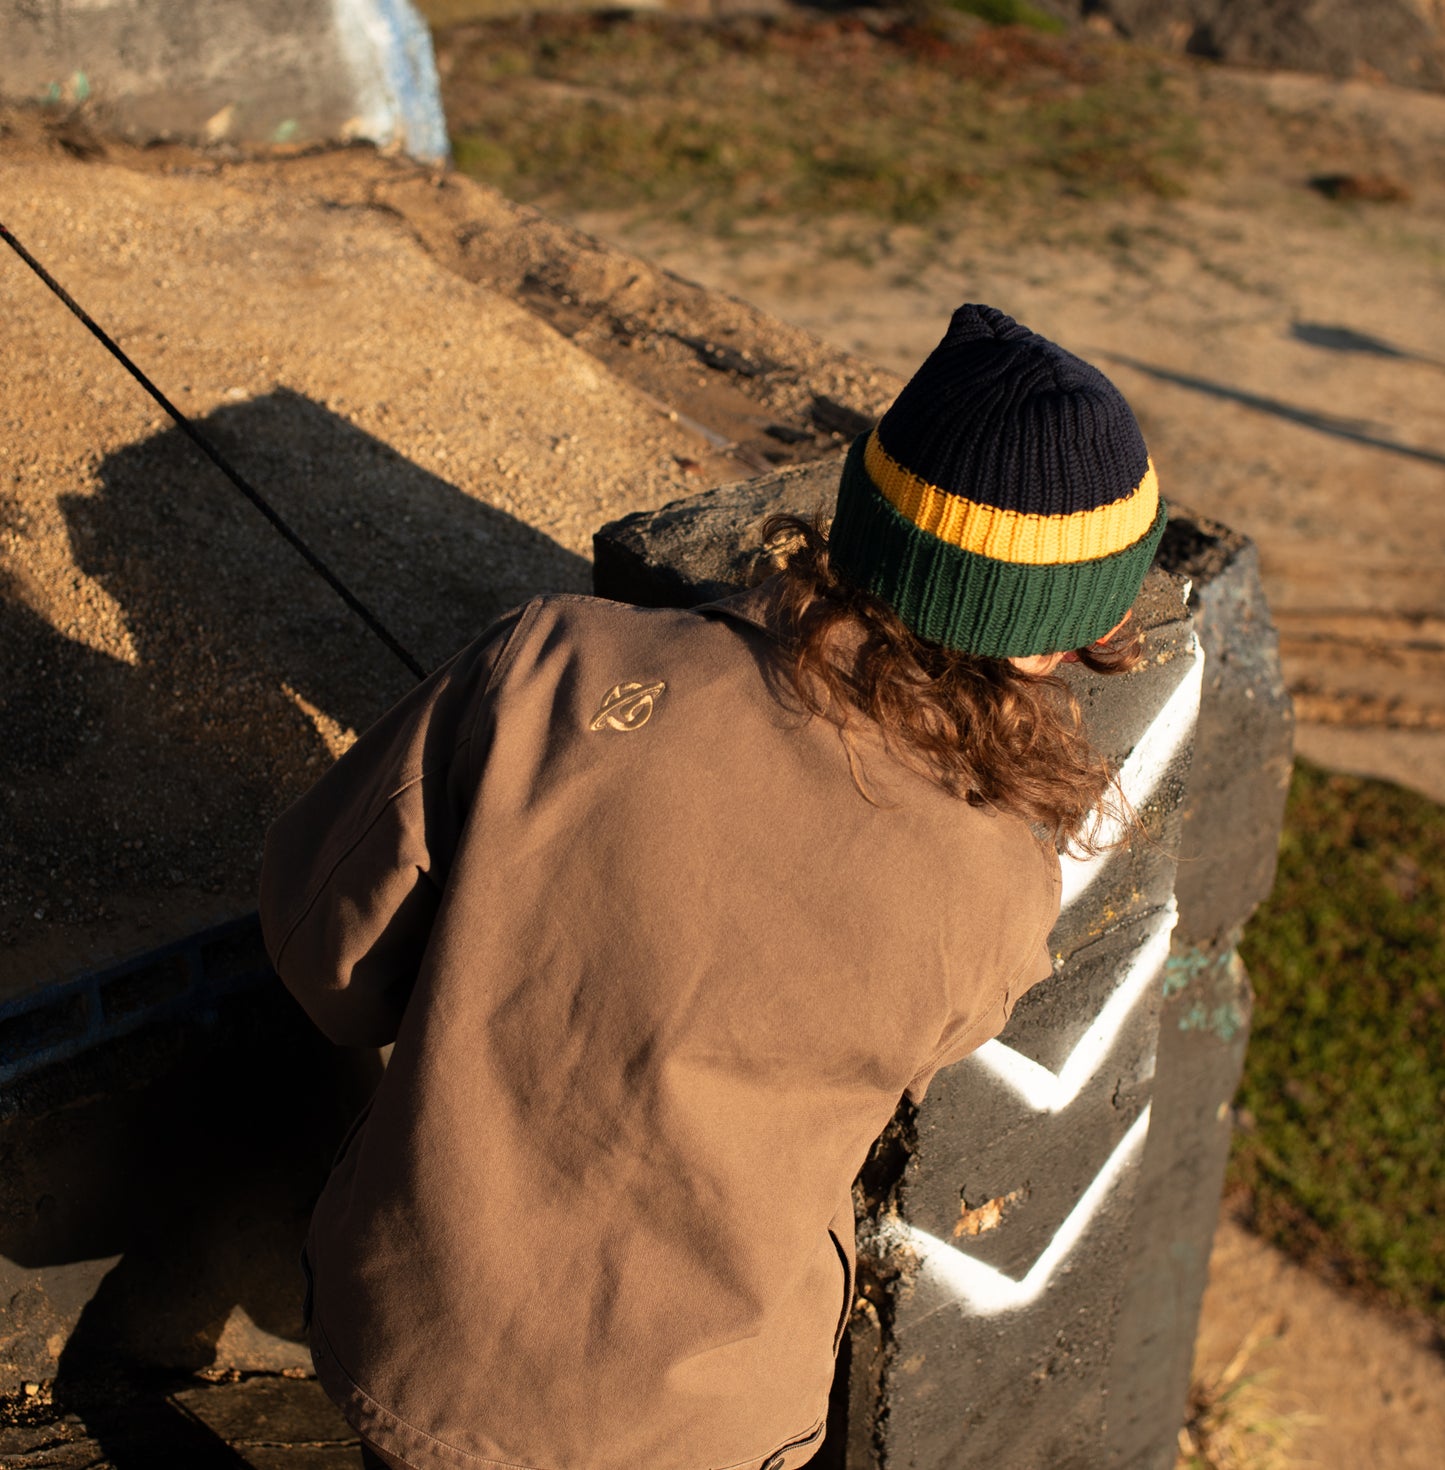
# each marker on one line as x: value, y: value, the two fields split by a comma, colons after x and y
x: 628, y: 706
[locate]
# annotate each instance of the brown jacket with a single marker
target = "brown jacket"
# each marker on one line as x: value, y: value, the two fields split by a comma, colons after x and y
x: 657, y: 976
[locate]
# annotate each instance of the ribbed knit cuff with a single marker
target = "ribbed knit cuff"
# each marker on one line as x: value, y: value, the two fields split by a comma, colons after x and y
x: 973, y: 603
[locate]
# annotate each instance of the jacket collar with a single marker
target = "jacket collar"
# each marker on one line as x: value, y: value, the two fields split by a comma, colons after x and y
x: 754, y: 605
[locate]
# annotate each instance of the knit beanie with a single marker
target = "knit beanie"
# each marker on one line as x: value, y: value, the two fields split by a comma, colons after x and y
x: 1005, y: 505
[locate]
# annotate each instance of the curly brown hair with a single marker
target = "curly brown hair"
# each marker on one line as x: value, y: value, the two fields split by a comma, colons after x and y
x: 983, y: 729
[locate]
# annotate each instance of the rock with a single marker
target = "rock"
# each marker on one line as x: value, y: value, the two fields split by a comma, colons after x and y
x: 1393, y: 40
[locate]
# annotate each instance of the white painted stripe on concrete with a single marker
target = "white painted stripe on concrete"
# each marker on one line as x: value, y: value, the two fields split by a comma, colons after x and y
x: 1141, y: 773
x: 1052, y: 1092
x: 953, y: 1278
x: 388, y: 53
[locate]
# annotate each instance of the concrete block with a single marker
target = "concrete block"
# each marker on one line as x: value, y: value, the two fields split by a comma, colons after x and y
x: 61, y: 1021
x: 1006, y: 1242
x: 280, y: 1422
x: 269, y: 1412
x: 43, y: 1026
x: 140, y: 989
x: 1017, y: 1388
x: 706, y: 546
x: 1144, y: 722
x: 1007, y: 1144
x: 1203, y: 1030
x: 243, y: 71
x: 1244, y: 744
x: 153, y: 1199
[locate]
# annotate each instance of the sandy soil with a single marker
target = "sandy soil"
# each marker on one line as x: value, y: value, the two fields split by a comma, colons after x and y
x: 444, y: 394
x: 1332, y: 1384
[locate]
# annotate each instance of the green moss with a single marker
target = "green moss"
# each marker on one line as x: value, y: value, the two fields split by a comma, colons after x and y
x: 803, y: 119
x: 1345, y: 1076
x: 482, y: 158
x: 1010, y: 13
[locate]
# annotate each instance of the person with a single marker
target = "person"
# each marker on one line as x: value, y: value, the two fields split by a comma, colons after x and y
x: 665, y: 911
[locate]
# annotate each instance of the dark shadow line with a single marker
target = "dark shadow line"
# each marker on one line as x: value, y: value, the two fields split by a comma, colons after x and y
x: 1346, y: 339
x: 1351, y: 429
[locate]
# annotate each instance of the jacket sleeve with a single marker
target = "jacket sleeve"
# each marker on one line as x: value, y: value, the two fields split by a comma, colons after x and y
x: 968, y: 1035
x: 353, y: 872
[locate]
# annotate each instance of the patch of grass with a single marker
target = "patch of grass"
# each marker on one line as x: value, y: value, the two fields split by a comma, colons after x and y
x: 1231, y: 1421
x: 806, y: 119
x: 1010, y: 13
x: 1344, y: 1085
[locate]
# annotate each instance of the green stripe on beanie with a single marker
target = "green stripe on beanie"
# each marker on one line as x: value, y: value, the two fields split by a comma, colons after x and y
x: 976, y: 604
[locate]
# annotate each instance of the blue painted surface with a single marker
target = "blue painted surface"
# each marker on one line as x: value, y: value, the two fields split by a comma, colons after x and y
x: 412, y: 101
x: 1196, y: 968
x: 1224, y: 1020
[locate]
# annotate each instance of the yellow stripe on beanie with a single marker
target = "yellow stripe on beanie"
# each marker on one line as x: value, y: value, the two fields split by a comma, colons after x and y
x: 1009, y: 535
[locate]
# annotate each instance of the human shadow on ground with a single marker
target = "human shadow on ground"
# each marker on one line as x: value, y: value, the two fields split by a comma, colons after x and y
x: 204, y: 579
x: 1346, y: 339
x: 143, y: 786
x: 149, y: 783
x: 1357, y: 431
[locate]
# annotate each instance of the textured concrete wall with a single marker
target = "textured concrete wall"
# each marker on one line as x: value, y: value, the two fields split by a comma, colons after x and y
x: 246, y: 71
x: 1034, y: 1239
x: 1233, y: 810
x: 45, y: 1026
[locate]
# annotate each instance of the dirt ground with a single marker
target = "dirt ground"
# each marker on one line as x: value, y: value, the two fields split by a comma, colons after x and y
x: 1322, y: 1381
x: 374, y: 344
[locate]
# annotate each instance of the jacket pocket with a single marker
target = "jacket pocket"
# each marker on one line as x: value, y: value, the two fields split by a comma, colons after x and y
x: 847, y: 1307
